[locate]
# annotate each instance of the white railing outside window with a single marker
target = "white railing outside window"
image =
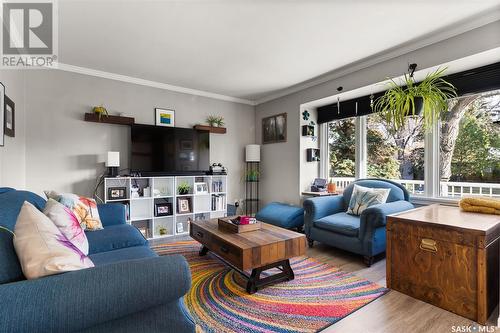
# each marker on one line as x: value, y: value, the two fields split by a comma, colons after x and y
x: 448, y: 189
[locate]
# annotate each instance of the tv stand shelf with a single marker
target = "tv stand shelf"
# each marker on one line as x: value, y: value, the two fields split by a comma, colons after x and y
x: 143, y: 196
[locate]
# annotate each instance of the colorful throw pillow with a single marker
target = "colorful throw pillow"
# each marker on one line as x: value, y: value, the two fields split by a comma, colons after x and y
x: 85, y: 209
x: 66, y: 221
x: 41, y: 248
x: 364, y: 197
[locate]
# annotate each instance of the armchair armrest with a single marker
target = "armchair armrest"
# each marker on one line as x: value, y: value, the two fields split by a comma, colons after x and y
x: 316, y: 208
x: 376, y: 215
x: 112, y: 214
x: 77, y: 300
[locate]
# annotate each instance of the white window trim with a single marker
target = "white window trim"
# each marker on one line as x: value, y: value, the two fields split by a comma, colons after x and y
x: 324, y: 151
x: 361, y: 151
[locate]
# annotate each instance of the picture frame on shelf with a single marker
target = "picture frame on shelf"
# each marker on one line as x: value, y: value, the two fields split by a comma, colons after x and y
x: 10, y: 117
x: 184, y: 205
x: 200, y: 188
x: 163, y: 209
x: 2, y: 113
x: 179, y: 228
x: 117, y: 193
x: 164, y: 117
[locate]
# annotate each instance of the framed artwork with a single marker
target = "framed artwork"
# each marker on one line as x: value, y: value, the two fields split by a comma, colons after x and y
x: 163, y: 209
x: 183, y: 205
x: 164, y: 117
x: 180, y: 227
x: 200, y: 188
x: 269, y: 130
x: 274, y: 128
x: 9, y: 117
x: 2, y: 113
x: 117, y: 193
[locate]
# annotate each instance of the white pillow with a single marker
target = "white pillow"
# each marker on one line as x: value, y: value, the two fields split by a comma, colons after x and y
x: 41, y: 248
x: 364, y: 197
x: 67, y: 222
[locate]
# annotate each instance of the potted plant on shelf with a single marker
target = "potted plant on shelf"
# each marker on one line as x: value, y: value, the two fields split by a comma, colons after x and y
x: 429, y: 98
x: 253, y: 175
x: 332, y: 187
x: 215, y: 121
x: 183, y: 188
x: 100, y: 111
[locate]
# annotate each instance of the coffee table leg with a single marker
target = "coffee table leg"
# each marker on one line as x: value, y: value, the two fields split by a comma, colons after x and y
x: 203, y: 251
x: 287, y: 269
x: 252, y: 280
x: 255, y: 282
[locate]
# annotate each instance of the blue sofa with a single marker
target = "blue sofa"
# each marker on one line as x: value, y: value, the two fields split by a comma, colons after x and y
x: 326, y: 220
x: 131, y: 289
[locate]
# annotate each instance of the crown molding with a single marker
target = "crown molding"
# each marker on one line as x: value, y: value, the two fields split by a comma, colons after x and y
x: 453, y: 30
x: 148, y: 83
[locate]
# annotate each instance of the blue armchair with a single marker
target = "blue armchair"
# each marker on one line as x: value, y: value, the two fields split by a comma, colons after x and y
x: 326, y: 220
x: 130, y: 289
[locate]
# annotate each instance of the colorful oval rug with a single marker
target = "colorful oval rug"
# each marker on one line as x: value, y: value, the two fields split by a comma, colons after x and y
x: 319, y: 296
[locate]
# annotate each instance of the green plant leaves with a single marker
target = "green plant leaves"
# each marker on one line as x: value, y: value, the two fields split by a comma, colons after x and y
x: 398, y: 102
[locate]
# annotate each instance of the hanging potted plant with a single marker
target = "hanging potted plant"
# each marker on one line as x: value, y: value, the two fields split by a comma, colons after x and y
x: 428, y: 98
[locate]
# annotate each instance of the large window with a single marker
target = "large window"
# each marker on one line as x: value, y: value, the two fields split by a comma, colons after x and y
x: 342, y: 148
x: 396, y: 154
x: 469, y: 160
x: 465, y: 152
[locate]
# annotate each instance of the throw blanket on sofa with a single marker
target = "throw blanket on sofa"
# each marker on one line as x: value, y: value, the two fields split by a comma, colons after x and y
x: 480, y: 205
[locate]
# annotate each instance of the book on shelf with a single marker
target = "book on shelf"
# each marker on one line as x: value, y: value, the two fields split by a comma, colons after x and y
x: 218, y: 202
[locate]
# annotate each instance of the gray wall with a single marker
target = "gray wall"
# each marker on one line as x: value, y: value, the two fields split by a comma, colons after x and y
x: 282, y: 177
x: 12, y: 155
x: 67, y: 154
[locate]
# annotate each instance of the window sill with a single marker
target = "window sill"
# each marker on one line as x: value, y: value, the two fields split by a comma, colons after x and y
x: 420, y: 200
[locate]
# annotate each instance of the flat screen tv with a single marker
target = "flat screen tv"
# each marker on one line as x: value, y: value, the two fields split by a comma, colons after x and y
x: 157, y: 150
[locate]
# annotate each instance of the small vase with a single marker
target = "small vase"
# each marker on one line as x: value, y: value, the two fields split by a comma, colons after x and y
x: 332, y: 188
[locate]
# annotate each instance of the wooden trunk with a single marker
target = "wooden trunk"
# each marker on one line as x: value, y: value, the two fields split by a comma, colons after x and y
x: 445, y: 257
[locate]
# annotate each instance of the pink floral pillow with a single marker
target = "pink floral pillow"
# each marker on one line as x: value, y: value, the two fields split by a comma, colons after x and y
x: 66, y: 221
x: 41, y: 248
x: 85, y: 209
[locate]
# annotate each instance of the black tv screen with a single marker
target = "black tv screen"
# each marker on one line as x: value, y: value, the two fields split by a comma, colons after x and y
x: 168, y: 150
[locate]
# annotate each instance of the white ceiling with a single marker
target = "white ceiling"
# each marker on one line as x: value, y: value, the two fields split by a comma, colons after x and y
x: 244, y: 49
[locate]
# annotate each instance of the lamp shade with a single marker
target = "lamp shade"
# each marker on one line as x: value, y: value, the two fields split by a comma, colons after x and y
x: 113, y: 159
x: 252, y: 153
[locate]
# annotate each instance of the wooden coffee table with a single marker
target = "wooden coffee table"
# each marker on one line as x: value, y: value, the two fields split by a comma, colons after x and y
x: 258, y: 251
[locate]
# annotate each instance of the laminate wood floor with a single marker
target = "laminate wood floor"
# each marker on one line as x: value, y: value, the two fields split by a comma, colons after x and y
x: 394, y: 312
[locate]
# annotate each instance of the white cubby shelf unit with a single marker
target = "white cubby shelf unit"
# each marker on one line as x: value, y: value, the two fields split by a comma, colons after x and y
x: 155, y: 206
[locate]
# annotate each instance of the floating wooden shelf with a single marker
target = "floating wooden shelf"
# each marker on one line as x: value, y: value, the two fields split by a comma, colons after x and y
x: 218, y: 130
x: 93, y: 117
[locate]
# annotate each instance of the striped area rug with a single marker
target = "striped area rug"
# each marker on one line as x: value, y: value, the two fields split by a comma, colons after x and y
x: 319, y: 296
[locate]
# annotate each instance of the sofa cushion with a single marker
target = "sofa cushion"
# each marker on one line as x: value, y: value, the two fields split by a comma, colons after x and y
x: 281, y: 215
x: 11, y: 202
x: 41, y: 247
x: 129, y: 253
x: 66, y: 221
x: 364, y: 197
x: 340, y: 223
x: 114, y: 237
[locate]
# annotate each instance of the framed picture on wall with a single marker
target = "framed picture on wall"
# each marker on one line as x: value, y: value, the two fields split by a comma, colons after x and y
x: 274, y: 129
x: 2, y: 113
x: 9, y: 117
x: 164, y: 117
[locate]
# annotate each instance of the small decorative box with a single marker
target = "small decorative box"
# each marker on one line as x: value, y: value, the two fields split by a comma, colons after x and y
x: 233, y: 224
